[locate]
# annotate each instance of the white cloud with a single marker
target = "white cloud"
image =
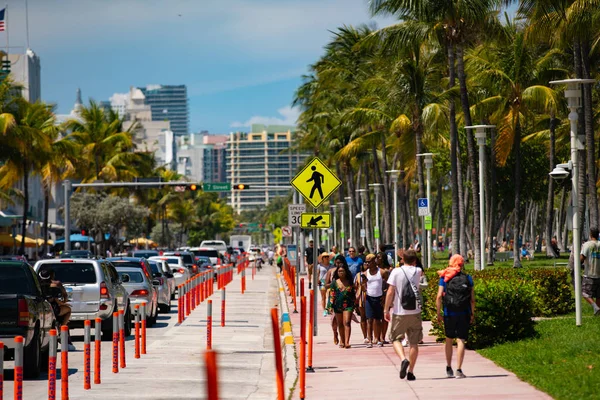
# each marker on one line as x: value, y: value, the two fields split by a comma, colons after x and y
x: 288, y: 116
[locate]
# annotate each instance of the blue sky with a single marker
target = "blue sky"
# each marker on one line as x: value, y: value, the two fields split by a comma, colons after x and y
x: 240, y: 59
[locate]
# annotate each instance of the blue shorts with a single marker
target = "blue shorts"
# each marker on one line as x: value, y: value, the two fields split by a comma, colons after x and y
x: 373, y: 308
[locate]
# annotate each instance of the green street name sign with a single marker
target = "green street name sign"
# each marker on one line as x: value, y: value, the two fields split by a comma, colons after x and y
x: 428, y: 222
x: 376, y: 233
x: 216, y: 187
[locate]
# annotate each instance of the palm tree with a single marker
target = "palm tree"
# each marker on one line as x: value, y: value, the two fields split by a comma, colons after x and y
x: 34, y: 124
x: 511, y: 69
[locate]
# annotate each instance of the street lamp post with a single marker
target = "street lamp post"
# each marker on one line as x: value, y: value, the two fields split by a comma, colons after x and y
x: 349, y: 200
x: 376, y: 187
x: 573, y: 95
x: 342, y: 232
x: 334, y: 207
x: 394, y: 173
x: 428, y: 158
x: 481, y: 137
x: 362, y: 193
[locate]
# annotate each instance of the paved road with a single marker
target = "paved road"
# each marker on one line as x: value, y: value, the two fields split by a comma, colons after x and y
x: 174, y: 366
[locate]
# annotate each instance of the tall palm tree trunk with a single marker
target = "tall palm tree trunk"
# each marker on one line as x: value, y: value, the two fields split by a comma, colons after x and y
x: 25, y: 205
x: 456, y: 201
x: 581, y: 182
x: 550, y: 200
x: 517, y: 183
x: 471, y: 152
x: 418, y: 128
x: 589, y: 135
x: 491, y: 196
x: 46, y: 212
x: 386, y: 195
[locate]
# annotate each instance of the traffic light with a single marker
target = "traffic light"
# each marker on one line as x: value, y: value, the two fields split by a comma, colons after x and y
x: 241, y: 186
x: 193, y: 187
x: 83, y: 232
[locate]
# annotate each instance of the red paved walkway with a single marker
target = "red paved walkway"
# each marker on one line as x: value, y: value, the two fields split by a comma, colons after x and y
x: 363, y: 373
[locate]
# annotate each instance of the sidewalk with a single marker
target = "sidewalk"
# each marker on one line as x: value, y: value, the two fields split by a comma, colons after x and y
x: 363, y: 373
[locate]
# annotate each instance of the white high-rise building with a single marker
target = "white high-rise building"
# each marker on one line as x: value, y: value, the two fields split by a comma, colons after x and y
x: 25, y: 70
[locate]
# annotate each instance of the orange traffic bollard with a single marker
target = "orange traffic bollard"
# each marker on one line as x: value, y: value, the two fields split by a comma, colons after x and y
x: 53, y: 350
x: 223, y: 307
x: 212, y: 379
x: 302, y: 347
x: 179, y: 305
x: 311, y: 320
x: 143, y: 318
x: 64, y: 362
x: 301, y: 287
x: 122, y: 339
x: 137, y: 331
x: 18, y: 374
x: 115, y: 343
x: 87, y: 355
x: 209, y: 325
x: 278, y: 357
x: 97, y: 349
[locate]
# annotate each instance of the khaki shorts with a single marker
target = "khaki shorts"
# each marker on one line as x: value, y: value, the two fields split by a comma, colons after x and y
x: 409, y: 325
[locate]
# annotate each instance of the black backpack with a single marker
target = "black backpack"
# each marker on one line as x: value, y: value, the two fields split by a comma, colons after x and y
x: 458, y: 293
x: 410, y: 292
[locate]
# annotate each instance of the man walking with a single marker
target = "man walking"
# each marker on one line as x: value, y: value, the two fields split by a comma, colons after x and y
x: 309, y: 261
x: 590, y: 254
x: 403, y: 295
x: 355, y: 263
x: 458, y: 296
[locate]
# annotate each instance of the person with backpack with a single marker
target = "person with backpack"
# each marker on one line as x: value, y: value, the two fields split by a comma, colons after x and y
x: 457, y: 295
x: 403, y: 295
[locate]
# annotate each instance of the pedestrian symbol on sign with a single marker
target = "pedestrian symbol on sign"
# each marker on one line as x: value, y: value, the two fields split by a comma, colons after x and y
x: 317, y: 178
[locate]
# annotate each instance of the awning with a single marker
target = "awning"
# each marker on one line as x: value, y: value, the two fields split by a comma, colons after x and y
x: 6, y: 240
x: 76, y: 237
x: 40, y: 242
x: 143, y: 241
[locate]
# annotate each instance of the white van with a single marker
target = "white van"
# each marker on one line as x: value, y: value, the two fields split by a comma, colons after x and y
x: 215, y: 244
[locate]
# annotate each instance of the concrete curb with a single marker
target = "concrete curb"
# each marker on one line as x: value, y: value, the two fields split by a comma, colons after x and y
x: 288, y: 345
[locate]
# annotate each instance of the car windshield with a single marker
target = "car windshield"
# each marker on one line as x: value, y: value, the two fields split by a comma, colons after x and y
x: 126, y: 263
x: 78, y: 273
x: 206, y: 253
x: 172, y: 261
x: 134, y: 277
x: 154, y: 267
x: 15, y: 280
x: 144, y: 254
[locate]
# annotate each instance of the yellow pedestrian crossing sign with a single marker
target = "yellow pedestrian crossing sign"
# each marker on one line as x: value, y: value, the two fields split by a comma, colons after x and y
x: 316, y: 182
x: 315, y: 220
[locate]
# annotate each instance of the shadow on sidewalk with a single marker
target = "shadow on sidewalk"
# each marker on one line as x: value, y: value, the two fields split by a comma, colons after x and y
x: 468, y: 377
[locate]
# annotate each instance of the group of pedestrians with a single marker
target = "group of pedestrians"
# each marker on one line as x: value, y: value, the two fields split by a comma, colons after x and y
x: 368, y: 287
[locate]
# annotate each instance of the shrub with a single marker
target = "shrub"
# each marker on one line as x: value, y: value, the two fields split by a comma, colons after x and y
x: 507, y: 299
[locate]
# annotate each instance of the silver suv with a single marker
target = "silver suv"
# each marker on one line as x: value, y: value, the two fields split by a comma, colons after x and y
x: 95, y: 291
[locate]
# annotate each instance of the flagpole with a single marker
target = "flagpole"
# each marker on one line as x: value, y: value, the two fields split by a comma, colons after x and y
x: 27, y: 22
x: 6, y: 29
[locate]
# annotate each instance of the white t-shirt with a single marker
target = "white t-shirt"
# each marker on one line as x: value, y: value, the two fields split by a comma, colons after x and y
x: 397, y: 279
x: 374, y: 284
x: 591, y: 251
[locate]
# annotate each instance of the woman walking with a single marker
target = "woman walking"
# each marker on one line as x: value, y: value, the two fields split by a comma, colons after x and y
x: 323, y: 268
x: 382, y: 262
x: 374, y: 296
x: 341, y: 299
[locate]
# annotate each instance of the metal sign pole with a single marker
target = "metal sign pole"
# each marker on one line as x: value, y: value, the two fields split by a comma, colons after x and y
x: 315, y: 278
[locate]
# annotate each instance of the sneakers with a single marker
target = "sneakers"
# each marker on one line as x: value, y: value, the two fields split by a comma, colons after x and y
x: 449, y: 372
x: 366, y: 341
x: 325, y: 313
x: 459, y: 374
x: 410, y: 377
x: 597, y: 312
x: 379, y: 344
x: 369, y: 345
x: 403, y: 368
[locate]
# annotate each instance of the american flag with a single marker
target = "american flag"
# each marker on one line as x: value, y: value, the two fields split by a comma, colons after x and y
x: 2, y: 12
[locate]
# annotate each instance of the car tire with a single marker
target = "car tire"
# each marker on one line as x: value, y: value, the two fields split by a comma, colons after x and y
x: 32, y: 358
x: 165, y: 308
x: 127, y: 321
x: 152, y: 319
x: 107, y: 328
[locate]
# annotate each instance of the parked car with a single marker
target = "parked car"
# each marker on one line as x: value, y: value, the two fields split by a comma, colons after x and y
x: 77, y: 254
x: 143, y: 253
x: 95, y: 291
x: 180, y: 272
x: 161, y: 283
x: 188, y: 260
x: 12, y: 257
x: 140, y: 291
x: 139, y: 297
x: 220, y: 245
x: 24, y: 312
x: 203, y: 263
x: 169, y: 275
x: 210, y: 252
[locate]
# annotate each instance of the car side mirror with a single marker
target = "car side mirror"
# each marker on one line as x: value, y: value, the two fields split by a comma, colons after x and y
x: 124, y: 278
x: 156, y: 282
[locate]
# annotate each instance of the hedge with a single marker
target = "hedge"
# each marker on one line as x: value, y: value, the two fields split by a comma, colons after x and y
x: 506, y: 302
